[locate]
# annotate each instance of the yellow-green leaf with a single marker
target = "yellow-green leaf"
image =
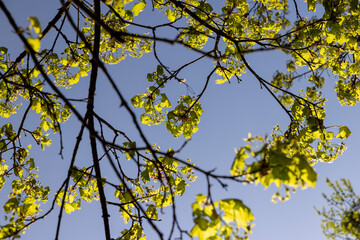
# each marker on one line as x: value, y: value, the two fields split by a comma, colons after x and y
x: 138, y: 8
x: 170, y: 15
x: 34, y: 43
x: 221, y: 81
x: 34, y: 24
x: 344, y: 132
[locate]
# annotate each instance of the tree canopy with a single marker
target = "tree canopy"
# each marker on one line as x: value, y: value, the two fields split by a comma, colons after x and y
x: 85, y: 38
x: 341, y: 218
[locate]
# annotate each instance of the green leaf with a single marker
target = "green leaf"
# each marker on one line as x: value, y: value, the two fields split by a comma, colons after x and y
x: 221, y: 81
x: 239, y: 162
x: 34, y: 24
x: 138, y: 8
x: 68, y: 208
x: 202, y: 223
x: 11, y: 204
x: 44, y: 125
x: 196, y: 231
x: 235, y: 210
x: 160, y: 70
x: 151, y: 212
x: 165, y: 101
x: 344, y: 132
x: 180, y: 187
x: 171, y: 15
x: 3, y: 50
x: 34, y: 43
x: 3, y: 66
x: 145, y: 175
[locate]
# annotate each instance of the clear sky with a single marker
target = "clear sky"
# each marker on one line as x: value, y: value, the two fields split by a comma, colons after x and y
x: 231, y: 111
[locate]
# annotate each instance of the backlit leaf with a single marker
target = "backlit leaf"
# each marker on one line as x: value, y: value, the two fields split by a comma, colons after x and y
x: 344, y: 132
x: 138, y: 7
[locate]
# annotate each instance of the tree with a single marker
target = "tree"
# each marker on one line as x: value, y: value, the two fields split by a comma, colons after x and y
x: 341, y: 220
x: 105, y: 33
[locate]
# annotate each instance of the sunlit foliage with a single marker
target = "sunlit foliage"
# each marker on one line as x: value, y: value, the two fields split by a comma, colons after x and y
x: 323, y: 41
x: 341, y: 217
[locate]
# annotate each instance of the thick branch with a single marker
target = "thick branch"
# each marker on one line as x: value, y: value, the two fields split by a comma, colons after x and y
x: 90, y: 108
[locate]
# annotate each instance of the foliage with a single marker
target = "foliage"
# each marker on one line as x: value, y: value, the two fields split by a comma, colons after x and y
x: 341, y: 219
x: 213, y: 221
x: 324, y: 41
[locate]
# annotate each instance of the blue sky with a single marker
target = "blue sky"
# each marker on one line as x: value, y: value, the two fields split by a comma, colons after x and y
x: 231, y: 111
